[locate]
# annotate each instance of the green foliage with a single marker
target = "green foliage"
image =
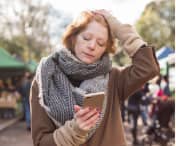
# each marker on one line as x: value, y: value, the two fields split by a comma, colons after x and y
x: 12, y: 46
x: 30, y: 28
x: 121, y: 59
x: 156, y: 26
x: 157, y: 23
x: 26, y: 33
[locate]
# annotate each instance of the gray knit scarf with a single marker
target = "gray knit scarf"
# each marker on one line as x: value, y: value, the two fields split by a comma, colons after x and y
x: 56, y: 92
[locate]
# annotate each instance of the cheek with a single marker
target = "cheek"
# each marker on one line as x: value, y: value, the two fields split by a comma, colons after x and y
x: 102, y: 51
x: 78, y: 50
x: 78, y: 43
x: 78, y: 47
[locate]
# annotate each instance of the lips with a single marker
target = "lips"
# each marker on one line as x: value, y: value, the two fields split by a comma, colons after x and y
x: 88, y: 55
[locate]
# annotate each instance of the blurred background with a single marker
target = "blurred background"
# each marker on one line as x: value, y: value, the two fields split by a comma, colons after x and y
x: 31, y: 29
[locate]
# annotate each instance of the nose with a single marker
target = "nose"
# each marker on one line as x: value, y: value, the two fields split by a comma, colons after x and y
x: 92, y: 45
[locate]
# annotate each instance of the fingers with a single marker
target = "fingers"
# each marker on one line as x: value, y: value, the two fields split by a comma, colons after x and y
x: 76, y: 108
x: 98, y: 13
x: 82, y: 112
x: 112, y: 21
x: 89, y: 114
x: 102, y: 12
x: 91, y: 122
x: 86, y: 118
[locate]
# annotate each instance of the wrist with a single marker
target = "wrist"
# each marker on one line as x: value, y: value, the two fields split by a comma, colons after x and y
x: 133, y: 47
x: 77, y: 129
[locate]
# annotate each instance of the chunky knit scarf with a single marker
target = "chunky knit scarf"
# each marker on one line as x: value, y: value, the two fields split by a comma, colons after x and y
x: 56, y: 92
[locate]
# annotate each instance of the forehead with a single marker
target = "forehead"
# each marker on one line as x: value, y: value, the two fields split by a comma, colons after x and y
x: 96, y: 29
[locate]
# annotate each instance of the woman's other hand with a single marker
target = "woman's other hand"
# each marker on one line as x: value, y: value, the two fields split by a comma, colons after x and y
x: 125, y: 33
x: 86, y: 118
x: 111, y: 20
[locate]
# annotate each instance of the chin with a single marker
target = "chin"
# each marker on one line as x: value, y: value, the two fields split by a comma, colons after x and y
x: 88, y: 61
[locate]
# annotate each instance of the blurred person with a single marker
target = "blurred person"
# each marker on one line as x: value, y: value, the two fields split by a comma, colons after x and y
x: 134, y: 102
x: 2, y: 88
x: 162, y: 129
x: 163, y: 91
x: 24, y: 90
x: 123, y: 111
x: 164, y: 84
x: 168, y: 108
x: 83, y: 66
x: 145, y: 101
x: 153, y: 90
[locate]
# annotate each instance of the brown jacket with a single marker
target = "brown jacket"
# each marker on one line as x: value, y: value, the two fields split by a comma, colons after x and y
x: 121, y: 84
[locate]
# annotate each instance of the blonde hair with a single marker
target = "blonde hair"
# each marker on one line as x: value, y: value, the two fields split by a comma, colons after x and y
x: 80, y: 24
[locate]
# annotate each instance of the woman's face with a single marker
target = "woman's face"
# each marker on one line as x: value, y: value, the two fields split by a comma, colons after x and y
x: 91, y: 43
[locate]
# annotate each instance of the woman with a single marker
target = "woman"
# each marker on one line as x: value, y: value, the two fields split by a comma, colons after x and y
x: 84, y: 67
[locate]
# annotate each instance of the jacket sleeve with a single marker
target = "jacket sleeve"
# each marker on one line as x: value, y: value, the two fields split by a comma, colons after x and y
x: 44, y: 131
x: 144, y: 67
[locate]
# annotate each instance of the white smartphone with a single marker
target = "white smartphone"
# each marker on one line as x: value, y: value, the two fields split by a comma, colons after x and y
x: 94, y: 100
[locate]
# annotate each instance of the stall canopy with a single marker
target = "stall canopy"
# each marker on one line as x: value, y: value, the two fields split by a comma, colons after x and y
x: 8, y: 61
x: 164, y: 52
x: 32, y: 66
x: 166, y: 59
x: 10, y: 66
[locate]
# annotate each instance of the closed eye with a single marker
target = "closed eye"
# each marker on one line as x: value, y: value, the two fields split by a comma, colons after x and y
x: 87, y: 38
x: 101, y: 44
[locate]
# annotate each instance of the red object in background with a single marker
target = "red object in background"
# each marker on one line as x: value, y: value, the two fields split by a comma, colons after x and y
x: 161, y: 95
x: 164, y: 97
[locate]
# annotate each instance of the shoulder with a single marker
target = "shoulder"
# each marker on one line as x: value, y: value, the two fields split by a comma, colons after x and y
x: 44, y: 60
x: 46, y: 66
x: 34, y: 87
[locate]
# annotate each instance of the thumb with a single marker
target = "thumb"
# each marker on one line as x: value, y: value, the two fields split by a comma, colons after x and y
x: 77, y: 108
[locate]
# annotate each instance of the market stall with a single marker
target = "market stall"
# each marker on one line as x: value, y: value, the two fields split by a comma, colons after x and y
x: 10, y: 68
x: 166, y: 59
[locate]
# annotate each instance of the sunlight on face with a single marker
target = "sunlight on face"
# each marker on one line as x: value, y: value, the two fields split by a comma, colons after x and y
x: 91, y: 43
